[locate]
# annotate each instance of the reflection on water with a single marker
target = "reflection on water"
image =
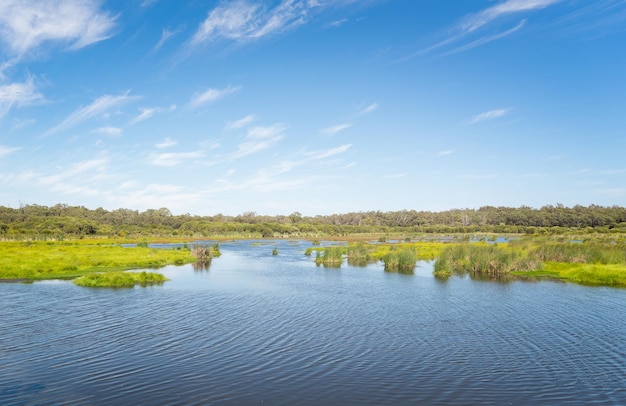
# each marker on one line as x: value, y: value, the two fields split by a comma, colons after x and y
x: 201, y: 266
x: 270, y: 329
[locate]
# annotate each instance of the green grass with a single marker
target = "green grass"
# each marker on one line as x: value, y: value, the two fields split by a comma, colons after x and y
x: 584, y: 274
x: 400, y: 260
x: 118, y: 279
x: 66, y: 260
x: 330, y: 256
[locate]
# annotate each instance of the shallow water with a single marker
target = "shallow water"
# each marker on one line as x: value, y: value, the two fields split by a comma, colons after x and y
x: 256, y: 328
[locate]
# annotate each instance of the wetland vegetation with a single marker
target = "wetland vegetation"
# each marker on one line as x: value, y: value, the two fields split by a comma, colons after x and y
x: 579, y: 244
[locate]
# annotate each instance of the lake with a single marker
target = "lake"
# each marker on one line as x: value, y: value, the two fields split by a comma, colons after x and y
x: 261, y: 329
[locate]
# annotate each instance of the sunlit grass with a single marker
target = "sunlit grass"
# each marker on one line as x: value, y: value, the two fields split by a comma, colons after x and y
x: 53, y: 260
x: 118, y: 279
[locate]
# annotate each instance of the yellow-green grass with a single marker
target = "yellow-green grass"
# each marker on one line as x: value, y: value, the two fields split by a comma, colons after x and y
x: 584, y: 274
x: 61, y: 260
x: 119, y: 279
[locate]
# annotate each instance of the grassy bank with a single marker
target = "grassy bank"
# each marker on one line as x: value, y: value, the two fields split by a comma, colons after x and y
x: 67, y: 260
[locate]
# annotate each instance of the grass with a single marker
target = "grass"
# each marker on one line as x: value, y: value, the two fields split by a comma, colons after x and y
x: 400, y: 260
x: 584, y: 274
x: 66, y: 260
x: 118, y: 279
x: 330, y: 257
x: 588, y: 263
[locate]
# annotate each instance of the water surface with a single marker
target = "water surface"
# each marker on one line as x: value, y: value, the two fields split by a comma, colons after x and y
x: 256, y: 328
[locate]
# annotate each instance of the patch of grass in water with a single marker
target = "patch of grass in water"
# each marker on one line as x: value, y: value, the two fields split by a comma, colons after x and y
x: 120, y: 279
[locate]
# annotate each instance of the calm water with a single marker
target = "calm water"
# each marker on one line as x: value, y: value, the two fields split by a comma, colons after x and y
x: 263, y: 329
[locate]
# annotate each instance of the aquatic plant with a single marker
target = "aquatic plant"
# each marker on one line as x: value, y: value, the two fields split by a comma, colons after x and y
x: 275, y: 251
x: 330, y: 256
x: 120, y: 279
x: 398, y: 260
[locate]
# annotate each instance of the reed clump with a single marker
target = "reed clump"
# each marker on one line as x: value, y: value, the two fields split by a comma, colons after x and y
x: 330, y: 257
x: 400, y: 260
x: 120, y: 279
x: 478, y: 259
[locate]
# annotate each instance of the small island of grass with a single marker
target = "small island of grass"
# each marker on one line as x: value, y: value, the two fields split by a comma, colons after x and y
x: 120, y: 279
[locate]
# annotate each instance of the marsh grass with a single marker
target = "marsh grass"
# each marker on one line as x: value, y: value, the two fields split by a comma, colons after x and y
x: 118, y: 279
x: 400, y: 260
x: 330, y: 256
x: 63, y: 260
x: 589, y: 263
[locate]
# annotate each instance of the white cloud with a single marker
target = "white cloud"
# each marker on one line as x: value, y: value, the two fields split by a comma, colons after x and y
x: 76, y: 170
x: 148, y: 112
x: 173, y: 158
x: 210, y: 95
x: 475, y: 21
x: 4, y: 150
x: 489, y: 115
x: 485, y: 40
x: 166, y: 143
x: 109, y: 131
x: 266, y: 132
x: 165, y: 36
x: 257, y: 139
x: 445, y: 152
x: 18, y: 94
x: 243, y: 20
x: 369, y: 109
x: 99, y: 106
x: 27, y: 24
x: 336, y: 128
x: 242, y: 122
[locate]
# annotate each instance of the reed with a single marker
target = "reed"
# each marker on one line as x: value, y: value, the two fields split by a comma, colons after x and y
x: 403, y: 259
x: 330, y: 257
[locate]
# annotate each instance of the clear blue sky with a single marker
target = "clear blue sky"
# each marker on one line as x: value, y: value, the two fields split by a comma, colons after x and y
x: 316, y: 106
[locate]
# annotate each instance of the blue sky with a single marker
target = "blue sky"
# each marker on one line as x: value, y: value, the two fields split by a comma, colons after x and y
x: 316, y: 106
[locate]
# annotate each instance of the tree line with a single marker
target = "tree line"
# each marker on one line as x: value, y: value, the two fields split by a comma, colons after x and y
x: 61, y: 220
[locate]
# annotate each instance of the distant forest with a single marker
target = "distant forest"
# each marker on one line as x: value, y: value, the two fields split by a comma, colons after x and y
x: 63, y: 221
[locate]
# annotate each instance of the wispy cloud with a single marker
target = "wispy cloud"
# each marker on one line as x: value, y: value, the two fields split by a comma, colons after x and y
x: 245, y: 20
x: 166, y: 143
x: 173, y: 158
x: 472, y: 23
x: 26, y: 24
x: 4, y: 150
x: 241, y: 123
x: 485, y: 40
x: 18, y: 94
x: 369, y: 109
x: 211, y: 95
x: 99, y: 106
x: 257, y: 139
x: 336, y: 128
x: 489, y: 115
x: 77, y: 170
x: 147, y: 112
x: 166, y: 34
x: 475, y: 21
x: 445, y: 152
x: 109, y: 131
